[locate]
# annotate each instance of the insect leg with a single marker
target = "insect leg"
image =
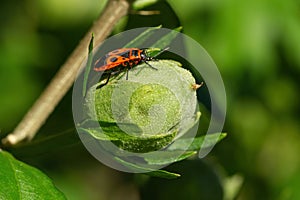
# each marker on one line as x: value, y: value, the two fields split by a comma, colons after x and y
x: 126, y: 74
x: 150, y: 65
x: 100, y: 86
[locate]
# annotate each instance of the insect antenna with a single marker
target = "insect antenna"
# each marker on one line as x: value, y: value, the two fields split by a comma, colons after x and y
x: 163, y: 50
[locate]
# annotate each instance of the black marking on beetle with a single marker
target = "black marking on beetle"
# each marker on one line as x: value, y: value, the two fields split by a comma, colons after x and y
x: 113, y: 59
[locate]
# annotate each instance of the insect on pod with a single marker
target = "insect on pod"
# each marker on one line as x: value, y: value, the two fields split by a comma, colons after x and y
x: 123, y: 59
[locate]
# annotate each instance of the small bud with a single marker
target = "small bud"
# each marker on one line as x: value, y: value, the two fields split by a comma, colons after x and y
x: 196, y: 86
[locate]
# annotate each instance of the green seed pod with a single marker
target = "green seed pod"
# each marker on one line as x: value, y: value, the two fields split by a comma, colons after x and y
x: 146, y: 112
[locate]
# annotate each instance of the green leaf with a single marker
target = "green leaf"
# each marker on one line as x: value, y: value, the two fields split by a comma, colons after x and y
x: 21, y: 181
x: 155, y: 173
x: 167, y: 157
x: 158, y: 45
x: 107, y: 130
x: 197, y: 143
x: 88, y: 65
x: 167, y: 39
x: 112, y: 132
x: 140, y: 39
x: 163, y: 174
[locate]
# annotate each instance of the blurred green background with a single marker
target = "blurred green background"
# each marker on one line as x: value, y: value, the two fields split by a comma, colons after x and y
x: 255, y: 44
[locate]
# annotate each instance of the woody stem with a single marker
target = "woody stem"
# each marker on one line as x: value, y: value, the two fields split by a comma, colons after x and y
x: 63, y: 80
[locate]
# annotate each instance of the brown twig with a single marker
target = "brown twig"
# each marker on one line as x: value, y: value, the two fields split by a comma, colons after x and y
x: 65, y: 77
